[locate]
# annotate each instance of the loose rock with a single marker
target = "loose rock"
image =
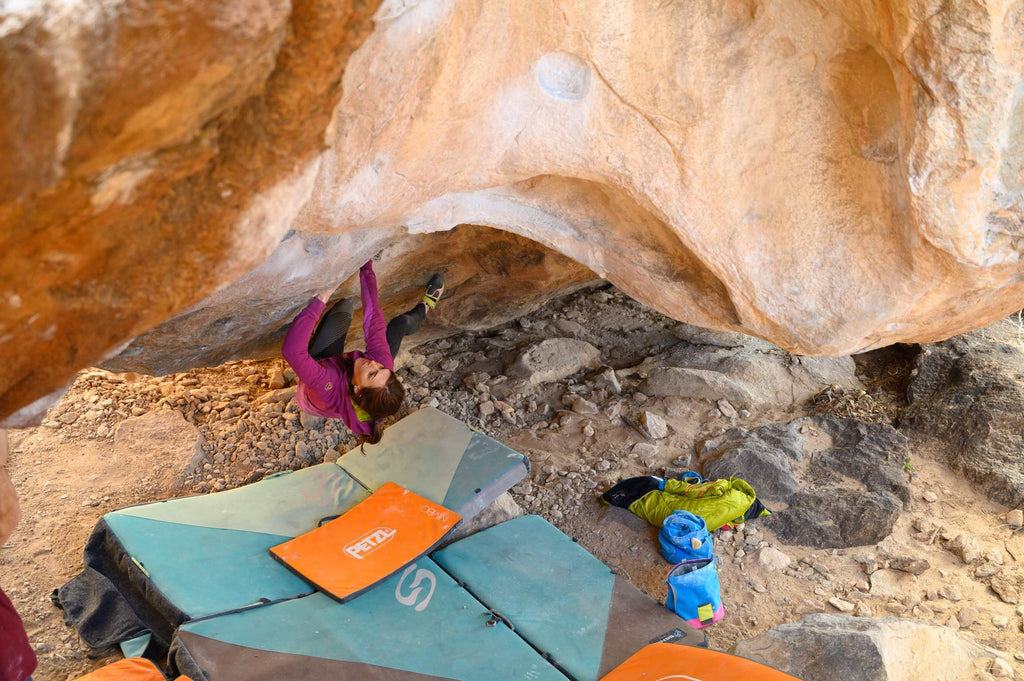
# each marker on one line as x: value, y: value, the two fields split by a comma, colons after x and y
x: 965, y: 547
x: 1005, y: 590
x: 654, y: 425
x: 772, y: 559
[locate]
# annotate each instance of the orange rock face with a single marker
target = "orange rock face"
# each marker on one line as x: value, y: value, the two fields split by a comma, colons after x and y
x: 137, y: 146
x: 179, y: 178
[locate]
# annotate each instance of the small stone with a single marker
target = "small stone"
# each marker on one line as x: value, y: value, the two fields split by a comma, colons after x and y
x: 1001, y: 669
x: 966, y: 547
x: 588, y: 430
x: 1005, y: 590
x: 862, y: 585
x: 994, y: 556
x: 863, y: 610
x: 1000, y: 621
x: 728, y: 411
x: 987, y: 570
x: 276, y: 380
x: 583, y: 406
x: 914, y: 566
x: 809, y: 607
x: 311, y: 422
x: 647, y: 453
x: 420, y: 370
x: 1015, y: 518
x: 841, y: 605
x: 450, y: 364
x: 486, y: 408
x: 868, y: 563
x: 930, y: 496
x: 606, y: 378
x: 103, y: 430
x: 772, y: 559
x: 922, y: 612
x: 968, y: 616
x: 911, y: 599
x: 951, y: 593
x: 654, y: 425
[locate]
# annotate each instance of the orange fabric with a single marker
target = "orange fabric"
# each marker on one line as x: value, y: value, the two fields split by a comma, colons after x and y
x: 129, y: 669
x: 665, y: 661
x: 371, y: 541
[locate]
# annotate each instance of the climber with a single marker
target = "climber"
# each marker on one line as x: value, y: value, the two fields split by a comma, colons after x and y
x: 360, y: 388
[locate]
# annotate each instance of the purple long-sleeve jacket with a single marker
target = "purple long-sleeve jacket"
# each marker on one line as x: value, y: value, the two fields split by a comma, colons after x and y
x: 324, y: 384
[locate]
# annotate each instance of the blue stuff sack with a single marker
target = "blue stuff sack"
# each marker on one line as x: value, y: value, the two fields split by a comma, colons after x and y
x: 684, y: 536
x: 694, y: 592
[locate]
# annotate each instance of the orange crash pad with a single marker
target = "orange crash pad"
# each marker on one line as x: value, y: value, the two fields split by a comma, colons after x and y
x: 376, y: 538
x: 129, y: 669
x: 659, y: 661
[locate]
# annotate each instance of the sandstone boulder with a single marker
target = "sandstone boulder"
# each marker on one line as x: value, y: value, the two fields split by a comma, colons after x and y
x: 829, y: 176
x: 160, y: 444
x: 968, y: 393
x: 842, y: 648
x: 554, y: 359
x: 829, y: 482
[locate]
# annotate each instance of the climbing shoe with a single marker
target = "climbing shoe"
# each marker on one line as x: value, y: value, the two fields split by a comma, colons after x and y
x: 435, y: 287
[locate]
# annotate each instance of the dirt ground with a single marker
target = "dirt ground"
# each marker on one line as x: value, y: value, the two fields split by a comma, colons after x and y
x: 71, y: 471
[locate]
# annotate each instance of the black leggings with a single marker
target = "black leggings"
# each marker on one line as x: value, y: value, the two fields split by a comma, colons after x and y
x: 329, y: 338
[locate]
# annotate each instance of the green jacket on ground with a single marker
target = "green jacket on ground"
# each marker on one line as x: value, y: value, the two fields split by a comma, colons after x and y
x: 718, y: 502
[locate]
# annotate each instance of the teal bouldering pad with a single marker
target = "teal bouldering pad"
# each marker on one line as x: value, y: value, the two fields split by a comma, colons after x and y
x: 208, y: 554
x: 150, y: 567
x: 562, y: 600
x: 419, y: 625
x: 440, y: 458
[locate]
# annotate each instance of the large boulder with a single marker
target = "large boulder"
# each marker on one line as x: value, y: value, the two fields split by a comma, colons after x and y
x: 744, y: 370
x: 829, y: 482
x: 153, y: 153
x: 829, y: 176
x: 842, y: 648
x: 968, y: 392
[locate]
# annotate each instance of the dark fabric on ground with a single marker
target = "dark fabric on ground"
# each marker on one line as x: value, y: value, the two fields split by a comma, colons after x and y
x: 756, y: 510
x: 629, y: 490
x: 112, y: 600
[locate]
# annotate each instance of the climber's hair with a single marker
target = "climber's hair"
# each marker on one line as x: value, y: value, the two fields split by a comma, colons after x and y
x: 380, y: 403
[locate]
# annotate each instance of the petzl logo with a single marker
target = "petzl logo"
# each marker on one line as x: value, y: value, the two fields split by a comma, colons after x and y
x: 416, y: 587
x: 370, y: 542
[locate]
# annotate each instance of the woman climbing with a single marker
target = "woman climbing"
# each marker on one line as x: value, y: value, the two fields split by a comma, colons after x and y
x: 360, y: 388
